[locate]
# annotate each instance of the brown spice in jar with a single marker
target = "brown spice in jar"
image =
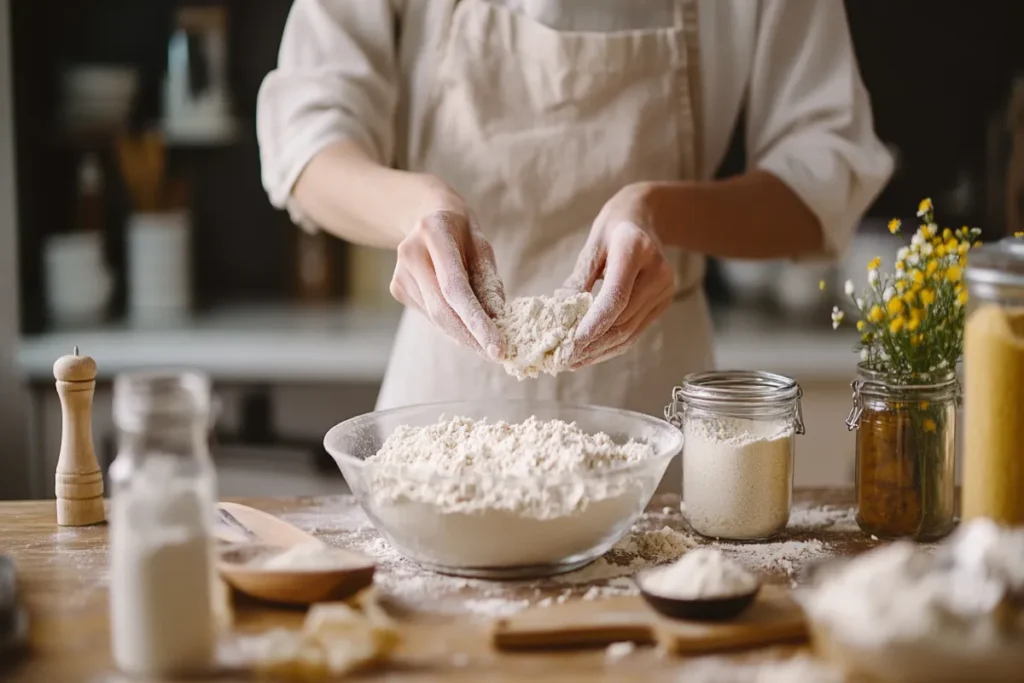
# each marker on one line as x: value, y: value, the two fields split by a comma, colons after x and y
x: 889, y: 501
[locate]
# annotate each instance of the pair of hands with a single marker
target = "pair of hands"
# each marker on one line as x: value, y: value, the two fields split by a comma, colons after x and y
x: 446, y: 270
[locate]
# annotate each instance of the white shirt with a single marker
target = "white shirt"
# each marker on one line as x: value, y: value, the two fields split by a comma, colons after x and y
x: 359, y: 70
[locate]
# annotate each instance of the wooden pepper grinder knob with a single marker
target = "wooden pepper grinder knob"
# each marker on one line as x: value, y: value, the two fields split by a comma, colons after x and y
x: 79, y: 485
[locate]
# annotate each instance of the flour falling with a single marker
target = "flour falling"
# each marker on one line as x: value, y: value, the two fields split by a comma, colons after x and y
x: 538, y: 332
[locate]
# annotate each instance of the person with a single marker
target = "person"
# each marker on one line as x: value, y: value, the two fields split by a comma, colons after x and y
x: 510, y: 148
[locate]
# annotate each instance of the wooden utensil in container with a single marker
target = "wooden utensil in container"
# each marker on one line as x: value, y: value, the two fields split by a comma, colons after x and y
x: 252, y: 536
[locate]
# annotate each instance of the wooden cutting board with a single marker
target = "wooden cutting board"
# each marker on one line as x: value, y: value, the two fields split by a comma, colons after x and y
x: 774, y: 618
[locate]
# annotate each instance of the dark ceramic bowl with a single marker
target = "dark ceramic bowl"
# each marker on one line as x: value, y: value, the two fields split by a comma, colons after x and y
x: 700, y: 609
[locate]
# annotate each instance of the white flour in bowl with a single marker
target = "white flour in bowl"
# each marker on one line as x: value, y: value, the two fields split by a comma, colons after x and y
x: 467, y: 493
x: 737, y: 476
x: 701, y: 574
x: 538, y: 331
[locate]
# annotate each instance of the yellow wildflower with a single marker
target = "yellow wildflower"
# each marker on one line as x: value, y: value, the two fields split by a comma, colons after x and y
x: 875, y: 263
x: 963, y: 248
x: 901, y: 286
x: 861, y: 325
x: 821, y: 285
x: 897, y: 324
x: 899, y: 265
x: 929, y: 425
x: 940, y: 250
x: 953, y: 273
x: 876, y: 315
x: 952, y: 246
x: 918, y: 277
x: 913, y: 324
x: 931, y: 268
x: 946, y: 233
x: 923, y: 405
x: 924, y: 207
x: 895, y: 306
x: 927, y: 297
x: 894, y: 225
x: 961, y: 298
x: 978, y: 242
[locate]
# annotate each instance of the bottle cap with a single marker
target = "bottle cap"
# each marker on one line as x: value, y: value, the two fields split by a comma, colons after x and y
x: 74, y: 368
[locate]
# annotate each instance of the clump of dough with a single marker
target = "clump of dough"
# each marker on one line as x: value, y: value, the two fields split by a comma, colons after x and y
x: 538, y: 332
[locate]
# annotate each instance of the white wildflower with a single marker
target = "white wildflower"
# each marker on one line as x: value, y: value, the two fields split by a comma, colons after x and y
x: 917, y: 240
x: 859, y: 302
x: 913, y: 260
x: 837, y: 317
x: 863, y: 354
x: 849, y: 288
x: 902, y: 254
x: 888, y: 294
x: 927, y: 249
x: 873, y: 277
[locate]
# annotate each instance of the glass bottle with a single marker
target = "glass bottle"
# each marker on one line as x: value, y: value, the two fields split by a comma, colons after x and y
x: 738, y: 451
x: 161, y: 546
x: 993, y: 470
x: 906, y: 446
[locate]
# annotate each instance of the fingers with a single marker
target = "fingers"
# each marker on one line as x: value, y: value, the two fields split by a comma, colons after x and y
x: 644, y: 302
x: 600, y: 356
x: 627, y: 254
x: 453, y: 281
x: 586, y: 271
x: 483, y: 276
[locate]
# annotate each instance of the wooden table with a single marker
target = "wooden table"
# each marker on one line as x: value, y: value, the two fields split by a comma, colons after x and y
x: 63, y: 577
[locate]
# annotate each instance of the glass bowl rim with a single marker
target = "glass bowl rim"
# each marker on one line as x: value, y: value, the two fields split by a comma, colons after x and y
x: 659, y: 455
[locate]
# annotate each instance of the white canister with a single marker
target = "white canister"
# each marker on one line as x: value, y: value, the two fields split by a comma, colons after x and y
x: 77, y: 279
x: 159, y: 267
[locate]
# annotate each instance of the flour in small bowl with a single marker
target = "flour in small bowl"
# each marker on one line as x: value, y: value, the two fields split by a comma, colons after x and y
x: 701, y: 574
x: 473, y: 493
x: 538, y: 332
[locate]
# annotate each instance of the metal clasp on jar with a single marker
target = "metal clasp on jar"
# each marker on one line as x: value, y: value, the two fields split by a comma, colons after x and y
x: 737, y: 388
x: 858, y: 385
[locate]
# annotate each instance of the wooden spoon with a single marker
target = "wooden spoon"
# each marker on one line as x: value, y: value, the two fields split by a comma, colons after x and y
x: 253, y: 536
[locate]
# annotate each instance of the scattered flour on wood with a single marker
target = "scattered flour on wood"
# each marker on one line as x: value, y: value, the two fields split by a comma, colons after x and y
x: 618, y: 651
x: 538, y: 332
x: 823, y: 518
x: 801, y: 669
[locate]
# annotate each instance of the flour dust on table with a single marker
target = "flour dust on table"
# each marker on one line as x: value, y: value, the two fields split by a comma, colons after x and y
x: 473, y: 493
x: 538, y: 332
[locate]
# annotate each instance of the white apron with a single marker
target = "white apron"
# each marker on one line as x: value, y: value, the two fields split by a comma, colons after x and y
x: 536, y: 129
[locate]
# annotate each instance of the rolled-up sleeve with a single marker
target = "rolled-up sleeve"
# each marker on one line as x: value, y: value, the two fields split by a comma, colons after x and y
x: 335, y: 80
x: 809, y: 116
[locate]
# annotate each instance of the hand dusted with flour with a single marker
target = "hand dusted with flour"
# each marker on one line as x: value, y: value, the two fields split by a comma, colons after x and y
x: 538, y: 332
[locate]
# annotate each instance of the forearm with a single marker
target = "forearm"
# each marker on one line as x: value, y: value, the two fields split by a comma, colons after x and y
x: 352, y: 196
x: 751, y: 216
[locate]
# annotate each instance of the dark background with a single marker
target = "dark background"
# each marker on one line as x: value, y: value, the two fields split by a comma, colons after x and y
x: 939, y: 74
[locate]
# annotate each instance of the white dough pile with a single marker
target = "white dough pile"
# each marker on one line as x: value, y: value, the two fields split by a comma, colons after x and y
x: 918, y: 616
x: 701, y: 574
x: 538, y: 332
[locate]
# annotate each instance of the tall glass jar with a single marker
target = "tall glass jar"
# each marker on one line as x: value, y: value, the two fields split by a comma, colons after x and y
x: 906, y: 440
x: 993, y: 474
x: 161, y: 547
x: 739, y: 432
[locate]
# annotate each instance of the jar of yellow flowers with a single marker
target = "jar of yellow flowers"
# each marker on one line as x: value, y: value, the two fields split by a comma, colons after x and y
x: 906, y: 394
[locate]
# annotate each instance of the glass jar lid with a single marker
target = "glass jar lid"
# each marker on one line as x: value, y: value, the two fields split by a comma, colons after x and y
x: 736, y: 390
x: 998, y: 263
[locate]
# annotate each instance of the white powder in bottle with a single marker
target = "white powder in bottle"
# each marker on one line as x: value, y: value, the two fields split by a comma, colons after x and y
x: 538, y: 331
x: 737, y: 476
x: 901, y: 613
x: 162, y: 576
x: 699, y: 575
x: 466, y: 493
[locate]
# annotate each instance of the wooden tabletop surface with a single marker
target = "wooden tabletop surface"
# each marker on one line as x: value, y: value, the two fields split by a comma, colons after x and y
x: 63, y: 580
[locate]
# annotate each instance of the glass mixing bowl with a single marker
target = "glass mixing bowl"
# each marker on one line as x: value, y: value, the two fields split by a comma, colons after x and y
x: 595, y: 509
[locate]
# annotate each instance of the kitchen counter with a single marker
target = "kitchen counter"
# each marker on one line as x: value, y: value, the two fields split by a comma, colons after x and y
x: 300, y: 345
x: 63, y: 576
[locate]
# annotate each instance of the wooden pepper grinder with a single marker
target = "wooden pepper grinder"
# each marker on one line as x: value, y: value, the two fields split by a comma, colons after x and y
x: 79, y: 485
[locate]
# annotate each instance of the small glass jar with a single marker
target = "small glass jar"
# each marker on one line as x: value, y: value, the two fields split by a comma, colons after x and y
x: 906, y: 441
x: 163, y: 485
x: 739, y: 431
x: 993, y: 468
